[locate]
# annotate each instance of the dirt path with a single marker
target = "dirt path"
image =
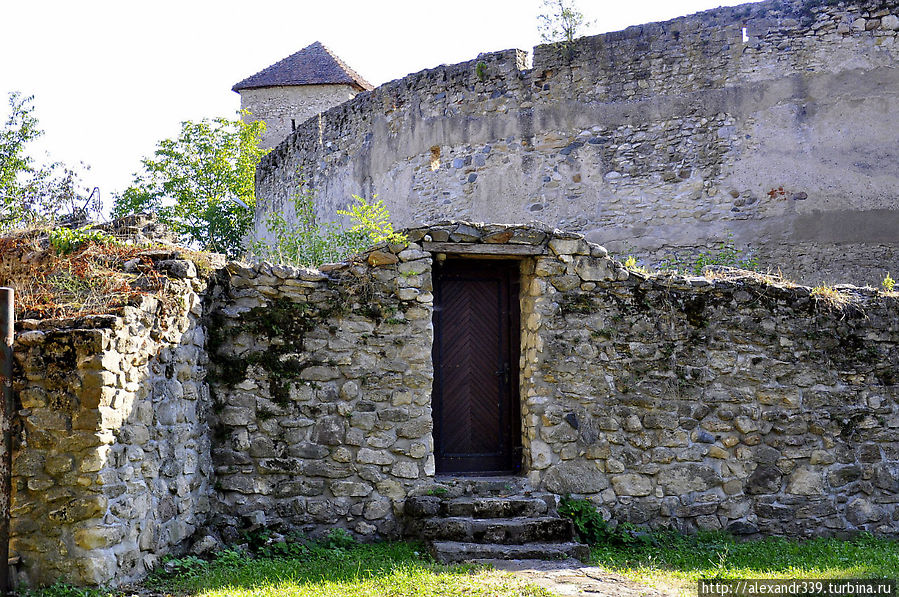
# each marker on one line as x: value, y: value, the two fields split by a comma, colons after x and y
x: 570, y: 578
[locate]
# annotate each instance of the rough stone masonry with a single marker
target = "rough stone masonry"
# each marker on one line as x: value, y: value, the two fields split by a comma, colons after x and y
x: 769, y: 124
x: 301, y: 399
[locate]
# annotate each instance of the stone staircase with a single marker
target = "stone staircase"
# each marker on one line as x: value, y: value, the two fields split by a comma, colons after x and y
x: 489, y: 518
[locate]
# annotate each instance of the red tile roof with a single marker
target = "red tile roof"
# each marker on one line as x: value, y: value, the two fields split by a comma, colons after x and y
x: 313, y: 65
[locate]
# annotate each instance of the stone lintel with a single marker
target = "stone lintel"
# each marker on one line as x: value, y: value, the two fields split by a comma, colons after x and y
x: 484, y: 249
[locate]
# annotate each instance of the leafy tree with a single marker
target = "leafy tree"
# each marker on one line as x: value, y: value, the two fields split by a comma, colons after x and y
x: 560, y: 21
x: 32, y: 192
x: 307, y: 242
x: 201, y: 184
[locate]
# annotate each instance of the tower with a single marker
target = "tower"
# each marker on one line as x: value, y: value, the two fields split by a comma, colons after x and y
x: 291, y: 91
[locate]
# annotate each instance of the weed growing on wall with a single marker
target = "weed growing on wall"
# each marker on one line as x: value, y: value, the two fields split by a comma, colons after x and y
x: 304, y: 241
x: 593, y: 529
x: 727, y: 254
x: 560, y: 21
x: 830, y: 296
x: 67, y: 240
x: 888, y: 283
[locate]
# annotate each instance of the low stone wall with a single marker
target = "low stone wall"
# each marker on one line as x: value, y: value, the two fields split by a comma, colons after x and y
x: 322, y: 385
x: 737, y: 403
x: 111, y: 465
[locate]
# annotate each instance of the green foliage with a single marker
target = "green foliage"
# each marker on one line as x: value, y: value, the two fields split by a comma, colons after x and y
x: 593, y: 529
x: 68, y: 240
x: 888, y: 283
x: 202, y: 184
x: 184, y: 567
x: 560, y: 21
x: 37, y: 193
x: 61, y: 589
x: 631, y: 263
x: 481, y: 70
x: 727, y: 254
x: 338, y: 539
x: 308, y: 243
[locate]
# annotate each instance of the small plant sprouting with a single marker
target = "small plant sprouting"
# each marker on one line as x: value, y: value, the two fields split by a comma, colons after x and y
x: 831, y: 296
x: 631, y: 264
x: 888, y: 283
x: 481, y: 71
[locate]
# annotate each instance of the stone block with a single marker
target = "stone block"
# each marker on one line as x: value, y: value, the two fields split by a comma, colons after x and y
x: 681, y: 479
x: 350, y: 489
x: 369, y: 456
x: 806, y: 482
x: 766, y: 479
x: 566, y: 246
x: 632, y: 484
x: 98, y: 537
x: 594, y: 269
x: 575, y: 476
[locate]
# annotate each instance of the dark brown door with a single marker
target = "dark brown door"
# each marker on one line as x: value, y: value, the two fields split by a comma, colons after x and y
x: 477, y: 426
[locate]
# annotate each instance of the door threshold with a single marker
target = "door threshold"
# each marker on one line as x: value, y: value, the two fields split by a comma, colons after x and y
x: 479, y: 475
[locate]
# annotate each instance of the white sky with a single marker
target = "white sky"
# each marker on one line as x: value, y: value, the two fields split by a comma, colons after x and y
x: 111, y: 78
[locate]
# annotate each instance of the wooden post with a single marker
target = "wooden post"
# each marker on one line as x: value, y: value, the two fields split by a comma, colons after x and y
x: 7, y: 331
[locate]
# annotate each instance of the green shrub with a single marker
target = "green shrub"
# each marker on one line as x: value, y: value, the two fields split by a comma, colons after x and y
x: 338, y: 539
x: 593, y: 529
x: 183, y: 567
x: 308, y: 243
x: 68, y: 240
x: 888, y: 283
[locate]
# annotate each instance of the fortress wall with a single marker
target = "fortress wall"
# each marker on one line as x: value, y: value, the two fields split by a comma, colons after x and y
x: 657, y: 140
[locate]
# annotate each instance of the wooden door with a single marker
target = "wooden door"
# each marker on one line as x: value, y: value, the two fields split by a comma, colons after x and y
x: 477, y: 426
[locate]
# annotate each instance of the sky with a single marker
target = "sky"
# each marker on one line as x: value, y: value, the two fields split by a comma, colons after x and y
x: 112, y: 78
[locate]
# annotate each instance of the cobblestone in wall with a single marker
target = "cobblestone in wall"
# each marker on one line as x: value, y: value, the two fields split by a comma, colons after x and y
x: 111, y: 466
x: 664, y: 136
x: 322, y: 385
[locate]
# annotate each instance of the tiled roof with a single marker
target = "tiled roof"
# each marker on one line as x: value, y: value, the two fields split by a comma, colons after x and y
x: 313, y: 65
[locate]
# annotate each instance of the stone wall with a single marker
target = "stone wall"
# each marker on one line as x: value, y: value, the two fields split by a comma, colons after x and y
x: 284, y: 108
x: 111, y: 465
x: 660, y: 140
x: 322, y: 392
x: 735, y: 402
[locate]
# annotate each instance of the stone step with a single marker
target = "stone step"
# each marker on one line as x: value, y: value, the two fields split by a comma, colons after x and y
x: 492, y: 530
x: 427, y: 506
x: 450, y: 552
x: 454, y: 487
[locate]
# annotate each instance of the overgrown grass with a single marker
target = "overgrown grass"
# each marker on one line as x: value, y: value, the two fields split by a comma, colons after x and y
x: 385, y: 569
x: 830, y: 296
x: 69, y: 274
x: 678, y: 561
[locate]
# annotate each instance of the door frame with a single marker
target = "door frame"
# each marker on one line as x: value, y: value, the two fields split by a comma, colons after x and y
x: 512, y: 424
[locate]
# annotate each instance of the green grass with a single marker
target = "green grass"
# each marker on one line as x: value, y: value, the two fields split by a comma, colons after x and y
x: 677, y: 561
x: 381, y: 570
